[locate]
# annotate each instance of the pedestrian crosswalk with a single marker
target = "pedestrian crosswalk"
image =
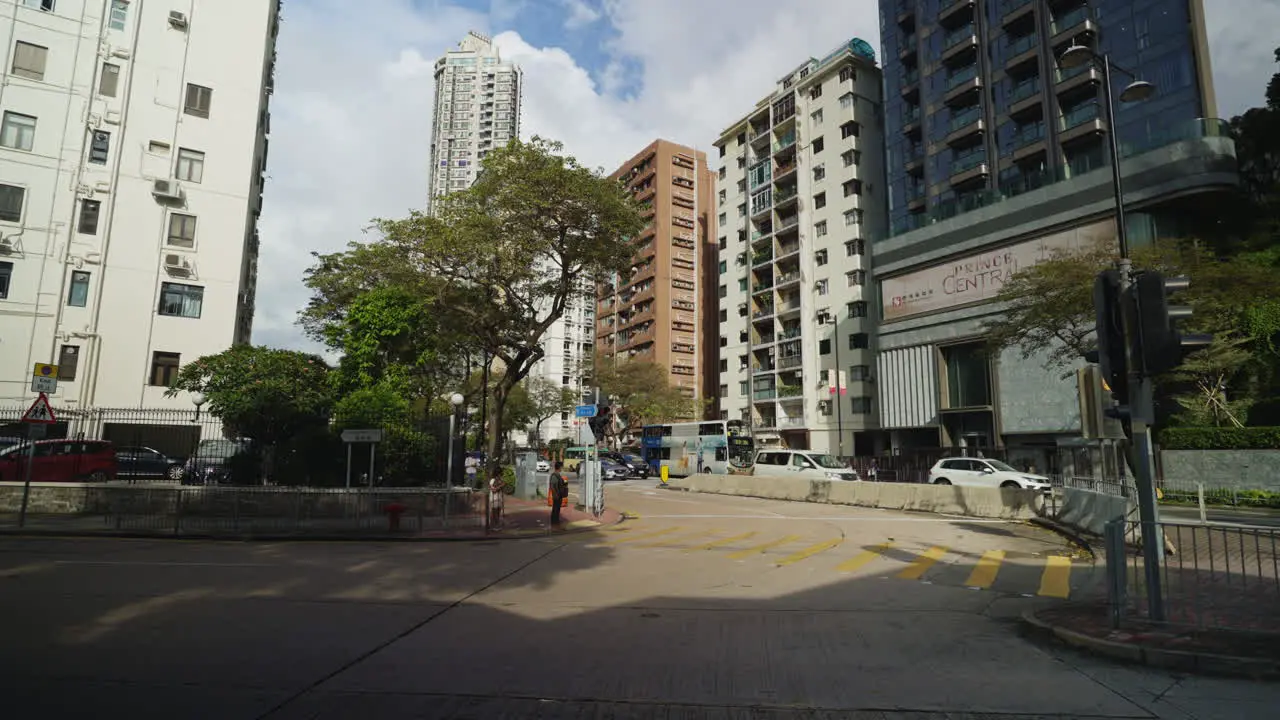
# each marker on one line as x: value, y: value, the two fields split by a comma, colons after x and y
x: 989, y: 569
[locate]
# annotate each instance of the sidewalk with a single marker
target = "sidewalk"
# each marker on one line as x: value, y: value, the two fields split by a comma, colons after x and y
x: 521, y: 519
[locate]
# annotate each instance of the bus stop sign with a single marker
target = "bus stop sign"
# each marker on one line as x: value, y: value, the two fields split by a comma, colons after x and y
x: 586, y: 411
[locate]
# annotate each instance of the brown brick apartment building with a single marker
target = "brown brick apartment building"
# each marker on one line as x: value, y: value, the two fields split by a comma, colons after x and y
x: 664, y: 309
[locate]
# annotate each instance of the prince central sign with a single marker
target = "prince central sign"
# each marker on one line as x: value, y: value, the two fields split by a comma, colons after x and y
x: 978, y: 278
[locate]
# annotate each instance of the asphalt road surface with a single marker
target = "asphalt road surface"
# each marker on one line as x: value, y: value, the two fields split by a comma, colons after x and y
x: 698, y: 607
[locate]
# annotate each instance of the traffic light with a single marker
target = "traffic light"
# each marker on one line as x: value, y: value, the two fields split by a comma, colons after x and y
x: 1110, y: 355
x: 1158, y: 346
x: 600, y: 423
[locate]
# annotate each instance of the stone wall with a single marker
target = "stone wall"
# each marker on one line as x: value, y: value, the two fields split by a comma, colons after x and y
x: 1226, y: 469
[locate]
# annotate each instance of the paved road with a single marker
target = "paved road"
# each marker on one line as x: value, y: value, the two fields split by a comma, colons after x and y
x: 1237, y: 516
x: 700, y: 607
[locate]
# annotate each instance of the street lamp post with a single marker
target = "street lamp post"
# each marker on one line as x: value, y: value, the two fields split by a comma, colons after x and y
x: 198, y: 399
x: 1141, y: 404
x: 455, y: 402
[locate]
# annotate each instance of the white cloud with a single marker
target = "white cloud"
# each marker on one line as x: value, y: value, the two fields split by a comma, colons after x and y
x: 580, y: 14
x: 352, y: 111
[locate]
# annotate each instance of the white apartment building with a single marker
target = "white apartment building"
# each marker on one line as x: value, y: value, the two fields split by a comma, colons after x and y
x: 570, y: 349
x: 477, y: 108
x: 131, y: 172
x: 800, y: 198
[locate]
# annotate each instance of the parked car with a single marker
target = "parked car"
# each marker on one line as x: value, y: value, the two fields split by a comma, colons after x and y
x: 60, y: 461
x: 984, y: 472
x: 611, y: 470
x: 544, y: 466
x: 145, y: 462
x: 802, y: 463
x: 218, y: 461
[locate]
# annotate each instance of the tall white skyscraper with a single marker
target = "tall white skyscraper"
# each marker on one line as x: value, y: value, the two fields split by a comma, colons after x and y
x: 132, y: 153
x: 477, y: 108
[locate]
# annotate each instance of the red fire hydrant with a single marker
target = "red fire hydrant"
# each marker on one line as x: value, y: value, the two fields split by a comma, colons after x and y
x: 394, y: 510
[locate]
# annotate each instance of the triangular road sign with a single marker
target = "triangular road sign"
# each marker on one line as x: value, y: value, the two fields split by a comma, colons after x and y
x: 40, y: 411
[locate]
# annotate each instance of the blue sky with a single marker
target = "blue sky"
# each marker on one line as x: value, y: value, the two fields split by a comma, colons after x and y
x: 352, y: 107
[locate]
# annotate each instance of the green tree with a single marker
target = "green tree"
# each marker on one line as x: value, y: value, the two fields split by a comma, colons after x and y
x: 642, y: 393
x: 1209, y: 373
x: 546, y: 400
x: 505, y: 255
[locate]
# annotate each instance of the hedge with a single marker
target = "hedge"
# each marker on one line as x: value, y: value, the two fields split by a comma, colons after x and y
x: 1220, y: 438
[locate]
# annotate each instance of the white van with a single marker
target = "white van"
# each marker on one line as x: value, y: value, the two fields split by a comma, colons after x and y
x: 802, y: 463
x: 985, y: 472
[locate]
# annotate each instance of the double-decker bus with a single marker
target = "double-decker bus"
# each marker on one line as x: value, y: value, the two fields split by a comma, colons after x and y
x: 720, y: 447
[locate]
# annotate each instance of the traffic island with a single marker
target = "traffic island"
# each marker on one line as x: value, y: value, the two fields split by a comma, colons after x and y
x: 1088, y: 627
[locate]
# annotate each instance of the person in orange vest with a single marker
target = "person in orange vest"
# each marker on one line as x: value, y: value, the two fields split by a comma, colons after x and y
x: 557, y: 490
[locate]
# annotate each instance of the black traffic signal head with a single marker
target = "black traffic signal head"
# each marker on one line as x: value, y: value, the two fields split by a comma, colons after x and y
x: 1157, y: 342
x: 1109, y: 319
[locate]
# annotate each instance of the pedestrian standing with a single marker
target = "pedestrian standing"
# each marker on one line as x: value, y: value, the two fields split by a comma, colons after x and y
x: 558, y: 489
x: 497, y: 493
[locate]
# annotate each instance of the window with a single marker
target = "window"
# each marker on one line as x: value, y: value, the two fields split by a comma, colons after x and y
x: 824, y: 347
x: 855, y: 247
x: 742, y: 284
x: 724, y: 366
x: 6, y: 274
x: 857, y: 309
x: 29, y: 60
x: 849, y: 129
x: 78, y: 292
x: 846, y: 100
x: 860, y: 405
x: 852, y: 187
x: 11, y: 197
x: 724, y: 316
x: 859, y: 373
x: 820, y: 257
x: 859, y: 341
x: 819, y: 201
x: 198, y: 100
x: 99, y: 147
x: 818, y: 145
x: 18, y: 131
x: 851, y: 157
x: 816, y: 117
x: 724, y: 264
x: 46, y: 5
x: 190, y: 165
x: 109, y: 82
x: 724, y: 341
x: 819, y: 173
x: 724, y: 291
x: 164, y: 368
x: 815, y: 91
x: 820, y: 287
x: 89, y: 211
x: 852, y: 217
x: 182, y: 230
x: 119, y: 14
x: 724, y: 391
x: 178, y: 300
x: 724, y: 219
x: 856, y: 277
x: 742, y: 210
x: 820, y: 229
x: 967, y: 376
x: 68, y: 362
x: 723, y: 196
x: 848, y: 73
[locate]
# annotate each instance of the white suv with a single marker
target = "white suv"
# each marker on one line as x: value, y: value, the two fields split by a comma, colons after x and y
x: 802, y: 463
x: 984, y: 472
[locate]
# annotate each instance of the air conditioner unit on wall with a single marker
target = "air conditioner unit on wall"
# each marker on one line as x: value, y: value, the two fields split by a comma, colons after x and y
x: 178, y: 20
x: 168, y: 189
x: 177, y: 263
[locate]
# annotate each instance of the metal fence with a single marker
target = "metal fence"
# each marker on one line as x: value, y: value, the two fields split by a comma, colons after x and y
x: 1218, y: 492
x: 414, y: 451
x: 170, y: 510
x: 1211, y: 577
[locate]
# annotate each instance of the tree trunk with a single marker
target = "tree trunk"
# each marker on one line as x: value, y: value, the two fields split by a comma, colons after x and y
x: 493, y: 466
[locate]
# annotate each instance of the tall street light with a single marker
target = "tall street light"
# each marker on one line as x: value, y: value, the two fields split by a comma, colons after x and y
x: 455, y: 402
x: 1140, y: 399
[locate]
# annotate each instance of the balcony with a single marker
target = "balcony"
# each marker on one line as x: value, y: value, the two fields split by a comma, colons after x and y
x: 784, y: 142
x: 911, y: 120
x: 765, y: 285
x: 764, y: 312
x: 787, y: 308
x: 1024, y: 96
x: 1072, y: 78
x: 788, y: 278
x: 761, y: 339
x: 904, y: 10
x: 907, y: 47
x: 788, y: 392
x: 1021, y: 50
x: 914, y: 159
x: 961, y: 82
x: 786, y: 250
x: 1015, y: 10
x: 910, y: 81
x: 953, y: 9
x: 1027, y: 141
x: 915, y: 198
x: 783, y: 199
x: 792, y: 422
x: 791, y: 334
x: 765, y: 394
x: 1080, y: 121
x: 786, y: 224
x: 1072, y: 23
x: 958, y: 41
x: 969, y: 166
x: 762, y: 258
x: 763, y: 368
x: 964, y: 124
x: 790, y: 361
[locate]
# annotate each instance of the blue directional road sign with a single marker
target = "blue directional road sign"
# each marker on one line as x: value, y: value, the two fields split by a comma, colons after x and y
x: 586, y: 411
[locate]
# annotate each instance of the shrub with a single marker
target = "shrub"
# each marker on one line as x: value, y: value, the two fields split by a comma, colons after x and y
x: 509, y: 480
x: 1220, y: 438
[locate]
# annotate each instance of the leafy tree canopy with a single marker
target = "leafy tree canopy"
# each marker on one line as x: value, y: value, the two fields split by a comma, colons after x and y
x: 642, y: 392
x: 259, y: 392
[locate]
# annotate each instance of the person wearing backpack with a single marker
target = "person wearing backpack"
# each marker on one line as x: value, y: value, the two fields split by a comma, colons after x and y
x: 558, y: 489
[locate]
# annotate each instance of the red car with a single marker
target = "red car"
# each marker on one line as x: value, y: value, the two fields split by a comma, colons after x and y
x: 60, y: 461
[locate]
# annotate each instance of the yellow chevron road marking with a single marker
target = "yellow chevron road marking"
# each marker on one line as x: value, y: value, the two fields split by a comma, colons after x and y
x: 922, y: 563
x: 809, y: 552
x: 1056, y: 579
x: 863, y: 558
x: 761, y: 548
x: 721, y: 543
x: 985, y: 572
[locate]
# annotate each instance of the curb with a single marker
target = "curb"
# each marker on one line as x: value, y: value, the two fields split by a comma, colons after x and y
x: 1071, y: 535
x: 1178, y: 660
